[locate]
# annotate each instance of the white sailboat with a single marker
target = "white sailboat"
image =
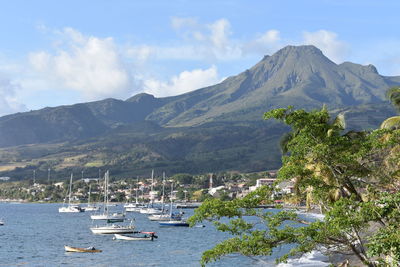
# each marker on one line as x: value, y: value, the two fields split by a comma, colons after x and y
x: 70, y: 207
x: 91, y: 207
x: 111, y: 229
x: 164, y: 216
x: 134, y: 207
x: 173, y: 221
x: 112, y: 217
x: 150, y: 209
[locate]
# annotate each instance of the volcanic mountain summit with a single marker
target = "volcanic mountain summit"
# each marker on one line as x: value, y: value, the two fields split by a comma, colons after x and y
x: 185, y: 128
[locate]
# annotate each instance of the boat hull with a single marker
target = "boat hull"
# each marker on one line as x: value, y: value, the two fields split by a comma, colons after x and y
x: 163, y: 217
x: 174, y: 223
x: 87, y: 250
x: 91, y: 208
x: 106, y: 230
x: 134, y: 238
x: 150, y: 211
x: 70, y: 209
x: 108, y: 217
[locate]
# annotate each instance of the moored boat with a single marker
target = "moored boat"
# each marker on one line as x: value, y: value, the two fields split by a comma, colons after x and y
x: 165, y: 217
x: 174, y: 223
x: 91, y: 207
x: 110, y: 229
x: 148, y: 236
x: 75, y: 249
x: 106, y: 215
x: 70, y: 207
x: 113, y: 229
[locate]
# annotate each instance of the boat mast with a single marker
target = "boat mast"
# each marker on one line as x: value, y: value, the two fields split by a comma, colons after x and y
x: 70, y: 191
x: 170, y: 208
x: 89, y: 195
x: 106, y: 187
x: 151, y: 188
x: 137, y: 189
x: 163, y: 191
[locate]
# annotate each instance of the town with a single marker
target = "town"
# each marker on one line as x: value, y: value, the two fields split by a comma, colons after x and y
x: 187, y: 188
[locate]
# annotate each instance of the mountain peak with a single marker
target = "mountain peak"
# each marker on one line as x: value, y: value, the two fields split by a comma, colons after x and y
x: 302, y: 50
x: 141, y: 98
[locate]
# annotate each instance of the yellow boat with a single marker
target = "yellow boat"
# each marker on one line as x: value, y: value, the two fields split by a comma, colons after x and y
x: 74, y: 249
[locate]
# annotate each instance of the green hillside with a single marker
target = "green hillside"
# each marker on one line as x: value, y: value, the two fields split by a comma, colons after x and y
x: 211, y: 129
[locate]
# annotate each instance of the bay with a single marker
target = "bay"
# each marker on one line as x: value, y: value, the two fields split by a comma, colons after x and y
x: 35, y: 234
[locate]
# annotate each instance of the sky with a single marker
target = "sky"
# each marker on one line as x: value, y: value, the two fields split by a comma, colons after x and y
x: 70, y: 51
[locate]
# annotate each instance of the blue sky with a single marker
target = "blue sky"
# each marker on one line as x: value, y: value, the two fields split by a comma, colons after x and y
x: 63, y: 52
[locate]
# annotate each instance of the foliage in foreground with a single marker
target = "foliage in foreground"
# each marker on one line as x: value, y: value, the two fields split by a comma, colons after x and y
x: 352, y: 177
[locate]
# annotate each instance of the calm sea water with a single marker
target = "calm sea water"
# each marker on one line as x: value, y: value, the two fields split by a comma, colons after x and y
x: 35, y: 235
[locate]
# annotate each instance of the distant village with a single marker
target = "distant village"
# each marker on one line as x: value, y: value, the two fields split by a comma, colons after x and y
x: 186, y: 188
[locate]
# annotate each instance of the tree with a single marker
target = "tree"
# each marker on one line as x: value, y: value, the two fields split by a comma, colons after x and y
x: 343, y: 171
x: 183, y: 178
x: 394, y: 96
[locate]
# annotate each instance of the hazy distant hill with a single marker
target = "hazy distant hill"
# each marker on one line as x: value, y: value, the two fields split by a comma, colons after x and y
x: 219, y: 127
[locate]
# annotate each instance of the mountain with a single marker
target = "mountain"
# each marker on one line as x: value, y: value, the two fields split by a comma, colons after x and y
x: 219, y: 127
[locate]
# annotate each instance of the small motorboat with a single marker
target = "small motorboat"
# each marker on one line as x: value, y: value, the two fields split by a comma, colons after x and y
x: 148, y: 236
x: 1, y: 222
x: 74, y: 249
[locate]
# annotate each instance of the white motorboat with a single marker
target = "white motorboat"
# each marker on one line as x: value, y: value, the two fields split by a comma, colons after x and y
x: 148, y: 236
x: 70, y: 207
x: 113, y: 229
x: 1, y: 222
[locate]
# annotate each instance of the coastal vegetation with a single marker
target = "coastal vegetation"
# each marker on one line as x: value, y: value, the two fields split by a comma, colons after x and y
x: 352, y: 177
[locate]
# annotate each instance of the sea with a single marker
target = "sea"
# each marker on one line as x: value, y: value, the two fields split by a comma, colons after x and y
x: 35, y: 234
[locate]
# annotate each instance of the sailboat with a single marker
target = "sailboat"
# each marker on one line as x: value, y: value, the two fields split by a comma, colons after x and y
x: 110, y: 229
x: 173, y: 221
x: 111, y: 217
x: 134, y: 206
x: 89, y: 206
x: 70, y: 207
x: 150, y: 209
x: 164, y: 216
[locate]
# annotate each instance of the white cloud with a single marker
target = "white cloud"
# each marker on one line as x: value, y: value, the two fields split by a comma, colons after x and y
x: 186, y: 81
x: 328, y: 42
x: 210, y: 42
x: 90, y: 65
x: 267, y: 42
x: 8, y: 101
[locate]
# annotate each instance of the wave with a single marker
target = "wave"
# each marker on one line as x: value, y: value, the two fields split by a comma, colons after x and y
x: 311, y: 259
